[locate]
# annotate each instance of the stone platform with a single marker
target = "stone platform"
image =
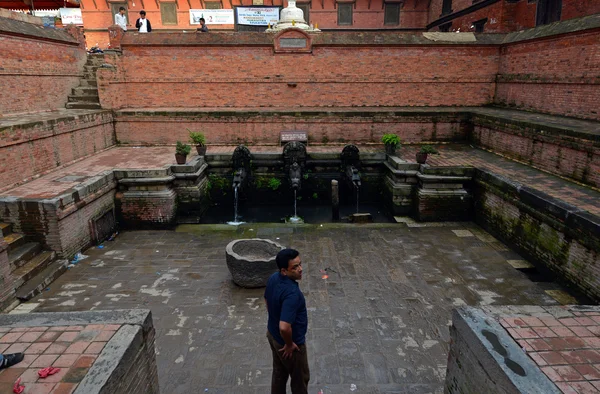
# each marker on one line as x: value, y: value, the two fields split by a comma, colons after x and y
x: 96, y: 352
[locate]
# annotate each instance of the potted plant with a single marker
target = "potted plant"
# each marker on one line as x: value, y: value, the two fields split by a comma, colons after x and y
x: 198, y: 139
x: 424, y: 151
x: 181, y: 152
x: 391, y: 142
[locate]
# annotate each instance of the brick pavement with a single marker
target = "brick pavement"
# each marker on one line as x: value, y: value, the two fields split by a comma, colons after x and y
x: 566, y: 349
x: 73, y: 349
x: 378, y: 321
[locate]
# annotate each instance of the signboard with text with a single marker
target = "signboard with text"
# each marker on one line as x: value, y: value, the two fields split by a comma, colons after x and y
x: 257, y: 16
x: 71, y: 15
x: 212, y: 17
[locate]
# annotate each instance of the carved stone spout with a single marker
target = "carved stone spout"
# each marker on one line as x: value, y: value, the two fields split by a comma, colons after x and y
x: 354, y: 176
x: 295, y: 175
x: 238, y: 177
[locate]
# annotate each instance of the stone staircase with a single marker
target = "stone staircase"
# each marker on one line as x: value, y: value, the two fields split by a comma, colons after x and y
x: 32, y: 268
x: 85, y: 96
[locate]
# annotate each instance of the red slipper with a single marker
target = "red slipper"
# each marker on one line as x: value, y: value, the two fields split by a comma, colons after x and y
x: 18, y: 388
x: 44, y: 373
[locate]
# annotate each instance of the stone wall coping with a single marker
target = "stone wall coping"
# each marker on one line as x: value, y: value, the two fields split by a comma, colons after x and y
x: 451, y: 171
x: 590, y: 22
x: 147, y: 181
x: 194, y: 166
x: 492, y: 344
x: 443, y: 179
x: 191, y: 175
x: 14, y: 27
x: 141, y: 317
x: 113, y: 362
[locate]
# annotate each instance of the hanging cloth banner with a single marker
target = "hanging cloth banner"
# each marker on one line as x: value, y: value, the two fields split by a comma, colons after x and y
x: 71, y: 15
x: 257, y: 16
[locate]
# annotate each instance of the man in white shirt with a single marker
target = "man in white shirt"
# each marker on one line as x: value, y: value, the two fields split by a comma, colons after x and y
x: 121, y: 19
x: 143, y: 24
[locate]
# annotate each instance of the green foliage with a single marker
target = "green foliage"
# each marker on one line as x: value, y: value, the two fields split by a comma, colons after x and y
x: 391, y: 139
x: 274, y: 183
x: 197, y: 138
x: 217, y: 182
x: 428, y: 149
x: 324, y: 139
x: 315, y: 196
x: 182, y: 149
x: 305, y: 176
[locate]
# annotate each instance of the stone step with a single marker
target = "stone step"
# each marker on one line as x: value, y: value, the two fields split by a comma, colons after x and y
x: 33, y: 267
x: 5, y: 228
x: 85, y: 91
x: 14, y: 241
x: 83, y: 105
x: 84, y: 98
x: 21, y: 255
x: 42, y: 280
x: 89, y: 74
x: 88, y: 82
x: 90, y: 69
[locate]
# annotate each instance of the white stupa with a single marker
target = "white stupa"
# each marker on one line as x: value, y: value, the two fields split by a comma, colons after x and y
x: 291, y: 16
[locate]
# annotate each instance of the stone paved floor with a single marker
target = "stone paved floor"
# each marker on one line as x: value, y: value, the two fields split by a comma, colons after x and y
x: 380, y: 321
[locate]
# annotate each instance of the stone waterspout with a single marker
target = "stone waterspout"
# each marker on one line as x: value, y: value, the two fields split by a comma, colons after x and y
x: 295, y: 176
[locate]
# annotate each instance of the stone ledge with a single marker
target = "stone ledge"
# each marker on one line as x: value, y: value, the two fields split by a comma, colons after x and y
x: 142, y: 317
x: 28, y: 29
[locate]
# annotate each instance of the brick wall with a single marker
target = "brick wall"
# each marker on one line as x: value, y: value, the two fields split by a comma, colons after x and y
x: 153, y: 208
x: 558, y: 75
x: 251, y: 128
x: 152, y: 76
x: 551, y: 234
x: 504, y: 16
x: 46, y: 145
x: 554, y: 151
x: 38, y: 68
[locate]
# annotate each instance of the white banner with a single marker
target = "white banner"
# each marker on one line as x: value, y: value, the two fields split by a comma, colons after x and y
x: 71, y: 15
x: 212, y: 17
x: 257, y: 16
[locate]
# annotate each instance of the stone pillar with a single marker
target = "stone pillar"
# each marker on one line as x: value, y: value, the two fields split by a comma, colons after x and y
x: 335, y: 201
x: 399, y: 184
x: 115, y: 34
x: 441, y: 195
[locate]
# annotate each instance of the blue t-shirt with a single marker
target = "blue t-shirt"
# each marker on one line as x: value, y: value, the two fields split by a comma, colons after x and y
x: 286, y: 303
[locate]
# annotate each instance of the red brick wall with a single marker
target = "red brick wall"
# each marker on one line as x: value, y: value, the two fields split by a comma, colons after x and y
x: 147, y: 209
x: 255, y: 129
x: 37, y: 74
x: 506, y: 17
x: 6, y: 288
x: 44, y: 146
x: 331, y: 76
x: 566, y: 156
x: 557, y: 75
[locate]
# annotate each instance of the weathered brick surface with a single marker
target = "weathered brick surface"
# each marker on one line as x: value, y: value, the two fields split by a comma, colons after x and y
x: 567, y: 156
x: 45, y: 145
x: 254, y: 128
x: 547, y: 235
x: 6, y: 288
x: 557, y: 75
x: 159, y: 77
x: 39, y: 67
x: 151, y: 208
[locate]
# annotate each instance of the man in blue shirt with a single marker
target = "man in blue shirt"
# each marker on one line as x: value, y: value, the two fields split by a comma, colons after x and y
x: 288, y: 322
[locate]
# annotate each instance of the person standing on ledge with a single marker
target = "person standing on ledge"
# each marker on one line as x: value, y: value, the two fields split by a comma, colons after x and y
x: 287, y: 324
x: 8, y: 360
x: 121, y: 19
x: 142, y: 24
x: 203, y: 28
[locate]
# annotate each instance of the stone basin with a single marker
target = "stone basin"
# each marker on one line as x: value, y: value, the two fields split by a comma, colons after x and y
x: 252, y: 261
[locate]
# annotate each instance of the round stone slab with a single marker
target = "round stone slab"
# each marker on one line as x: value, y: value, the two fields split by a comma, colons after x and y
x: 252, y: 261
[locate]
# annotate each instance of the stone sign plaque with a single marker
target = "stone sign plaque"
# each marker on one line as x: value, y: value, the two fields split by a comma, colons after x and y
x: 288, y: 136
x: 292, y: 42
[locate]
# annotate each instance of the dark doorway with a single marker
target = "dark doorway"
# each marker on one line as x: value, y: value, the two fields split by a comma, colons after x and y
x: 548, y: 11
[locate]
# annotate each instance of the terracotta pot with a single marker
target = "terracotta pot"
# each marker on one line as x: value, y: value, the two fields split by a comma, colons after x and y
x: 201, y: 149
x: 421, y: 157
x: 390, y: 149
x: 180, y: 158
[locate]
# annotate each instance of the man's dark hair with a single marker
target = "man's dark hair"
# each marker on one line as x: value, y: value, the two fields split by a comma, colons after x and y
x: 121, y: 8
x: 202, y: 19
x: 142, y: 12
x: 283, y: 257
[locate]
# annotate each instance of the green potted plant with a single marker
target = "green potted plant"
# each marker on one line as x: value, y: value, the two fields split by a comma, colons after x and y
x: 424, y: 151
x: 197, y: 138
x: 391, y: 142
x: 181, y: 152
